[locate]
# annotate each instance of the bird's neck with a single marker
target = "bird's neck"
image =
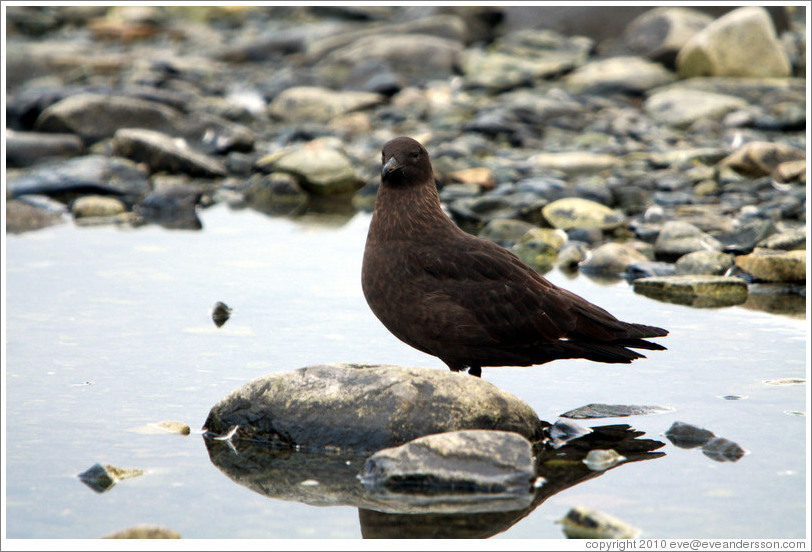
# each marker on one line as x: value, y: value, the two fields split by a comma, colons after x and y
x: 409, y: 213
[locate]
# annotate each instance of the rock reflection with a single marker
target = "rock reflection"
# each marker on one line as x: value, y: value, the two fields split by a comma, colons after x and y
x: 280, y: 473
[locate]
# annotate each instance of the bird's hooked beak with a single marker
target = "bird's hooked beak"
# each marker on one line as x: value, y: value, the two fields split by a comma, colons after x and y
x: 392, y: 165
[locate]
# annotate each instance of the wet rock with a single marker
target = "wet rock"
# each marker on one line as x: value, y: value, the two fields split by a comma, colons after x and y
x: 597, y: 410
x: 723, y: 450
x: 162, y: 153
x: 786, y: 381
x: 741, y: 43
x: 660, y: 34
x: 584, y: 523
x: 696, y: 291
x: 576, y: 213
x: 688, y: 436
x: 772, y: 265
x: 704, y: 262
x: 492, y: 206
x: 319, y: 169
x: 786, y: 299
x: 103, y: 477
x: 96, y: 116
x: 761, y: 158
x: 470, y: 460
x: 220, y: 313
x: 505, y: 232
x: 144, y: 532
x: 276, y: 193
x: 166, y: 426
x: 90, y: 174
x: 601, y: 460
x: 680, y: 107
x: 173, y: 205
x: 24, y: 149
x: 622, y: 74
x: 611, y: 259
x: 22, y: 217
x: 97, y: 206
x: 215, y: 135
x: 678, y: 238
x: 366, y: 408
x: 319, y: 105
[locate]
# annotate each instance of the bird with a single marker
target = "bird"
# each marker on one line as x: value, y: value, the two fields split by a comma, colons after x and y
x: 467, y: 300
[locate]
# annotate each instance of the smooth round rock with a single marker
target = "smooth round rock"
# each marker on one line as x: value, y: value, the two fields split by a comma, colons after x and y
x: 97, y: 206
x: 573, y: 212
x: 366, y: 407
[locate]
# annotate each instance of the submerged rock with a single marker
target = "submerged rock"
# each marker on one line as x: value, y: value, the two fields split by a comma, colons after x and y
x: 723, y: 450
x: 597, y: 410
x: 366, y: 407
x: 688, y: 436
x: 144, y: 532
x: 584, y: 523
x: 470, y: 460
x: 600, y: 459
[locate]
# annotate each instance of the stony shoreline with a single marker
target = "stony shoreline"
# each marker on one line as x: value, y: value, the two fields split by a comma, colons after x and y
x: 655, y: 155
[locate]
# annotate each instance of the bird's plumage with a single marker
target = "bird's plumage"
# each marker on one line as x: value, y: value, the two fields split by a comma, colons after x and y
x: 467, y: 300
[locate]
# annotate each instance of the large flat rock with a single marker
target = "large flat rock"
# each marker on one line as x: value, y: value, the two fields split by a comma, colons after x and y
x: 366, y: 407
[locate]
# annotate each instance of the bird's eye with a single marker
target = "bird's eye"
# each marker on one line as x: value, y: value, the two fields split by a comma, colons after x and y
x: 415, y: 154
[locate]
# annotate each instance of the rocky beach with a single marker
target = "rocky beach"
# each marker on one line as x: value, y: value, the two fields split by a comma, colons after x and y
x: 671, y: 153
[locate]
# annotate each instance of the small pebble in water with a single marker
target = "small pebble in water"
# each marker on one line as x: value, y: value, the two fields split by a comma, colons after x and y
x: 220, y: 313
x: 600, y: 460
x: 733, y: 397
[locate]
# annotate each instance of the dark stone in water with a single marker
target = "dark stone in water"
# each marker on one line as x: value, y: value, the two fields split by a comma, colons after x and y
x: 688, y: 436
x: 220, y: 313
x: 596, y: 410
x: 723, y: 450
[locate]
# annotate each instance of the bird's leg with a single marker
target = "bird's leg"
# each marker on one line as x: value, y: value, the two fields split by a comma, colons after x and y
x: 475, y: 371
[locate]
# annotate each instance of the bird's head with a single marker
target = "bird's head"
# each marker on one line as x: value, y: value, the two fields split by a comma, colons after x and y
x: 405, y: 162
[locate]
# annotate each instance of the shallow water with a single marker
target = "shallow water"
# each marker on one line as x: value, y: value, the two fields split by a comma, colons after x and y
x: 109, y: 329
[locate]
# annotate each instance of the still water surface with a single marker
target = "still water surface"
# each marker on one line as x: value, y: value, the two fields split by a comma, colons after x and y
x: 110, y: 329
